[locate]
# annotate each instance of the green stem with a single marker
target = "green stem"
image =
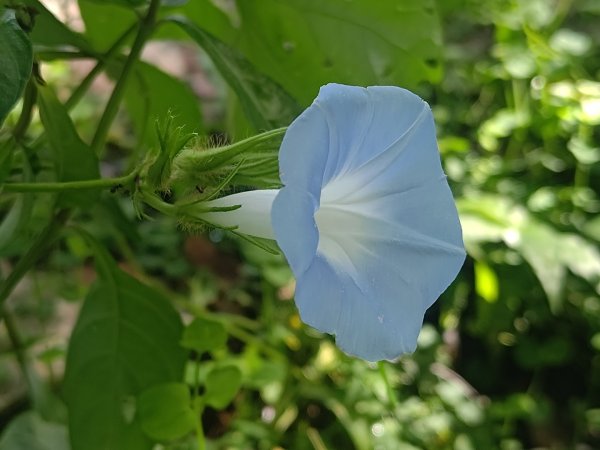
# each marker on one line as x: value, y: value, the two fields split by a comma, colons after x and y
x: 315, y: 439
x: 582, y: 175
x: 198, y: 407
x: 388, y: 387
x: 87, y: 81
x: 51, y: 55
x: 17, y: 343
x: 244, y: 336
x: 200, y: 438
x: 155, y: 202
x: 101, y: 183
x: 36, y: 251
x: 112, y: 107
x: 27, y: 112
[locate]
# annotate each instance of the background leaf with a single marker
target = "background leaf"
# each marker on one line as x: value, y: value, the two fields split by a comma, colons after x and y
x: 105, y: 22
x: 29, y: 431
x: 125, y: 340
x: 154, y: 94
x: 204, y: 335
x: 549, y: 252
x: 16, y: 60
x: 304, y: 44
x: 264, y: 102
x: 222, y: 383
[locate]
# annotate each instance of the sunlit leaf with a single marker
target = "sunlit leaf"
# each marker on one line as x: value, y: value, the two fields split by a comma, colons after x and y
x: 547, y: 250
x: 537, y: 244
x: 165, y: 411
x: 486, y: 282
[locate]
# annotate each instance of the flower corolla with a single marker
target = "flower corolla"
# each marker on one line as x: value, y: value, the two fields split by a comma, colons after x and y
x: 365, y: 218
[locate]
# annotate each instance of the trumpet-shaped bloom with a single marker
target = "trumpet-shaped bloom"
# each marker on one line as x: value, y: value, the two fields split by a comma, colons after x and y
x: 366, y: 218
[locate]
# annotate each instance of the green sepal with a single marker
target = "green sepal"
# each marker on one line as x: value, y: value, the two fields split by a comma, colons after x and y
x: 195, y: 166
x: 171, y: 140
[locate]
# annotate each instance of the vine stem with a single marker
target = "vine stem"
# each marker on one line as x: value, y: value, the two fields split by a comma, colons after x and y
x: 101, y: 183
x: 86, y: 82
x: 37, y: 250
x: 16, y: 340
x: 388, y: 387
x: 198, y: 408
x: 110, y: 111
x: 29, y: 97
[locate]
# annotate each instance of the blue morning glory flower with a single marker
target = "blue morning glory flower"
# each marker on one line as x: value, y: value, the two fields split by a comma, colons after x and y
x: 365, y: 218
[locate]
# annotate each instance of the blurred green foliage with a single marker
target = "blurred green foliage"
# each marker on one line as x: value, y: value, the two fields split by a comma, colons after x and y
x: 508, y: 358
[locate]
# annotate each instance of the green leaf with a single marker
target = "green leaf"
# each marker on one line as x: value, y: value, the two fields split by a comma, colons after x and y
x: 592, y: 228
x: 304, y: 44
x: 222, y: 383
x: 154, y: 95
x: 204, y: 335
x: 73, y: 158
x: 581, y: 257
x: 266, y: 104
x: 165, y: 411
x: 126, y: 340
x: 16, y: 60
x: 549, y: 252
x: 29, y: 431
x: 105, y: 22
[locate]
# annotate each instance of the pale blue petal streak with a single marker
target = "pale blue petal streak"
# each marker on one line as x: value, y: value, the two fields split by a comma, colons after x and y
x: 364, y: 122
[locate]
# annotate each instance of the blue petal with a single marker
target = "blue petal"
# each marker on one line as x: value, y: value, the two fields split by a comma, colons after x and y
x: 363, y: 166
x: 292, y: 217
x: 365, y: 325
x: 364, y: 122
x: 392, y: 260
x: 303, y: 152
